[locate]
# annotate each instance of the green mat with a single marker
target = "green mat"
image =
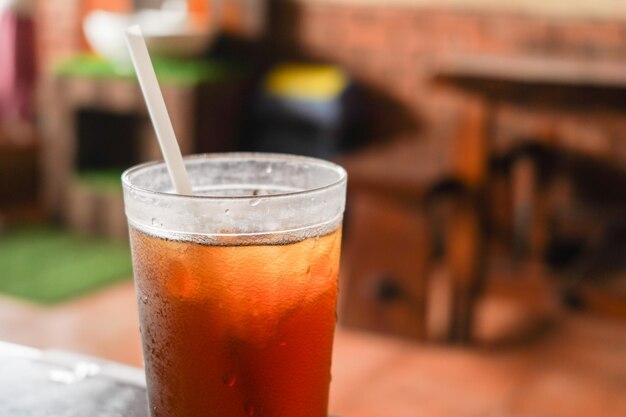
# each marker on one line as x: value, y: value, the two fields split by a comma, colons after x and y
x: 50, y: 265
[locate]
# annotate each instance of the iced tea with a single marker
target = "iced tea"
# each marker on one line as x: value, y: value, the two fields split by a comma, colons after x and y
x: 237, y: 330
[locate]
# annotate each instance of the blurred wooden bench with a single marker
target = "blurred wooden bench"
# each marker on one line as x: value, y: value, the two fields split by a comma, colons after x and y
x: 567, y: 105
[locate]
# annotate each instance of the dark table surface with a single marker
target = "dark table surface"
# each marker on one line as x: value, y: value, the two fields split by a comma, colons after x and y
x: 35, y: 383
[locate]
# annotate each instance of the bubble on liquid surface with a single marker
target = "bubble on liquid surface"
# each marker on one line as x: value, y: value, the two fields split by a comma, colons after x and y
x: 255, y: 202
x: 156, y: 222
x: 227, y: 212
x: 230, y: 379
x: 144, y: 299
x: 268, y: 170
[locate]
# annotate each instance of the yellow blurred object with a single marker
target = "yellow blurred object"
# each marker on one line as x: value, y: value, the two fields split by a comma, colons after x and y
x: 306, y: 82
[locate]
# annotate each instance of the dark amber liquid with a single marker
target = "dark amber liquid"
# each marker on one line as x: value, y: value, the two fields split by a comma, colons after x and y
x: 237, y: 331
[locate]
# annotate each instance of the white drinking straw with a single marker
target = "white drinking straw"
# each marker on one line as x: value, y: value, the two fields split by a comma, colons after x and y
x: 157, y: 110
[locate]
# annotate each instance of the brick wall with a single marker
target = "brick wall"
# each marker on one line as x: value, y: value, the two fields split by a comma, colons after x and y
x: 392, y: 48
x: 58, y: 30
x: 59, y: 26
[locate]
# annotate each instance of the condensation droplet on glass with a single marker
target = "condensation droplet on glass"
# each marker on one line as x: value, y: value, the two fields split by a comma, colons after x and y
x: 230, y: 379
x: 249, y: 409
x: 227, y: 212
x: 255, y: 202
x: 308, y: 272
x: 268, y: 170
x: 144, y: 299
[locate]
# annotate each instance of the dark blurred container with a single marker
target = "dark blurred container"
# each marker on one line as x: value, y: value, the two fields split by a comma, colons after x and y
x: 302, y: 109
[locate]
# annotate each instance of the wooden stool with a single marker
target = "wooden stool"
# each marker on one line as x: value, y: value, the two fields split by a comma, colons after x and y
x: 414, y: 250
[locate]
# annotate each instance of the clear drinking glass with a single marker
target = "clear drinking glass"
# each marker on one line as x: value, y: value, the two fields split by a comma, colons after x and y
x: 237, y: 284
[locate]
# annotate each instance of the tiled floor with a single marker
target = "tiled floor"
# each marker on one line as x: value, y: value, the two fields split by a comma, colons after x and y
x: 104, y: 324
x: 577, y: 369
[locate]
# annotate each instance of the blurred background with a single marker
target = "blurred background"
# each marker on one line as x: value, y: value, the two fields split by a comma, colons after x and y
x: 484, y: 257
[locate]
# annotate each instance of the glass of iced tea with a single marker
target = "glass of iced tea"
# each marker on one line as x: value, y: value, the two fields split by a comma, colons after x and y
x: 237, y: 284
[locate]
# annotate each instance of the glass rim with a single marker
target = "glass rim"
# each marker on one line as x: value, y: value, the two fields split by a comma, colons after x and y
x: 274, y: 157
